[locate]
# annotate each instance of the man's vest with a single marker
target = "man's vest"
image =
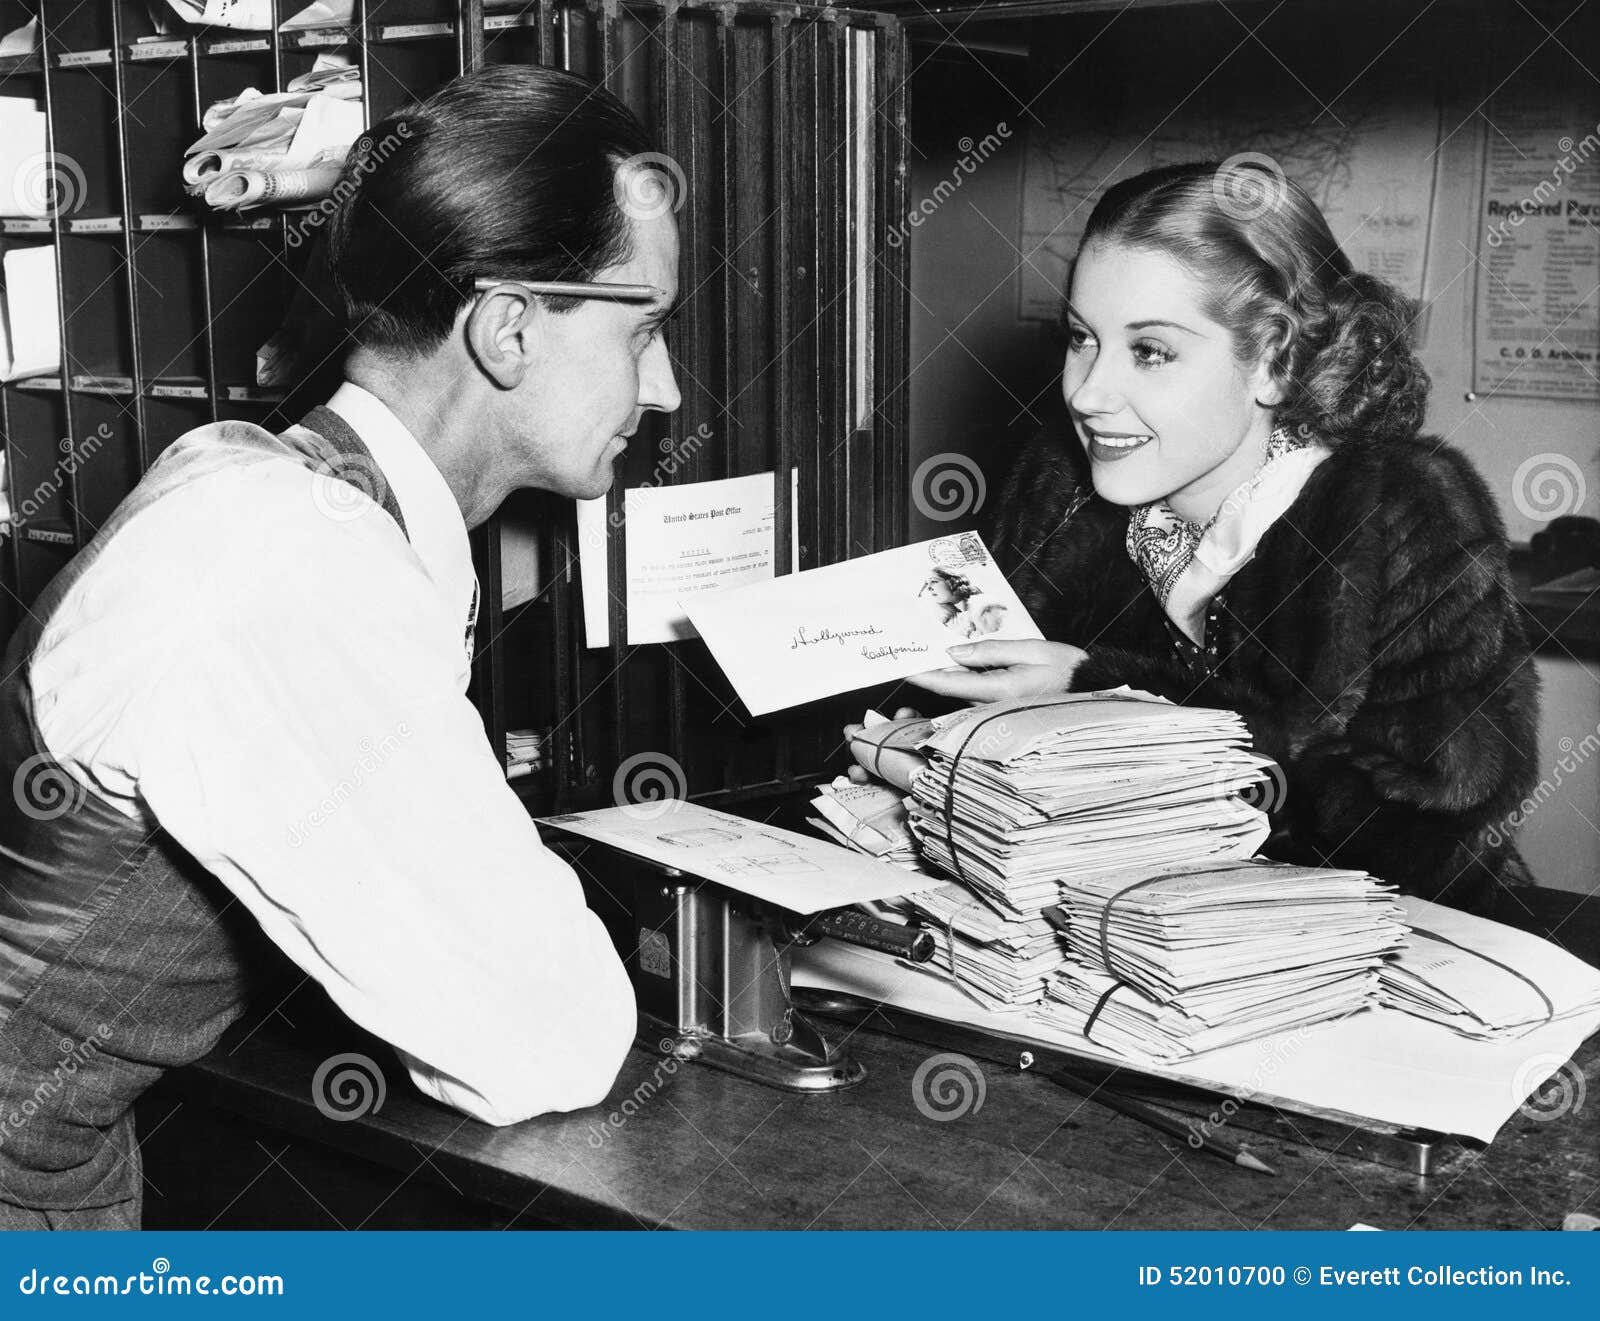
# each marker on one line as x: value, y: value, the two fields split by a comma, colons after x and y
x: 120, y: 956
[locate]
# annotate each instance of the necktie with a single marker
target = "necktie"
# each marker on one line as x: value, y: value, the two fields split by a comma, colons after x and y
x: 472, y: 620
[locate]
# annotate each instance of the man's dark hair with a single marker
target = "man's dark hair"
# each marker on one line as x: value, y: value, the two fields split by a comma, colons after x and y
x: 508, y: 171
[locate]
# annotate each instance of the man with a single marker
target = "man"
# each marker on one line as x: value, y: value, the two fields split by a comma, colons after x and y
x: 240, y: 711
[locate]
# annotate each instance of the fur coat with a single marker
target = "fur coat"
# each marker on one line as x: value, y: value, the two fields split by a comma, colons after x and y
x: 1372, y: 645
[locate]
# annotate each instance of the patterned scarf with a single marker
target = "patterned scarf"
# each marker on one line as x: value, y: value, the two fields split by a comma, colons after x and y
x: 1187, y: 564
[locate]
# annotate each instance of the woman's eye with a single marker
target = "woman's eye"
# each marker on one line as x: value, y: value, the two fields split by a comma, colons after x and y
x: 1149, y: 354
x: 1077, y: 339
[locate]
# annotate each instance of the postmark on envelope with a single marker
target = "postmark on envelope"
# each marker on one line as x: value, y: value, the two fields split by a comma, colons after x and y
x: 959, y: 551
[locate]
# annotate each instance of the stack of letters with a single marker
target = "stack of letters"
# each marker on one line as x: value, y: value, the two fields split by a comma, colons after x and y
x: 870, y: 818
x: 526, y: 752
x: 1483, y: 980
x: 1102, y: 848
x: 1017, y: 798
x: 1020, y: 798
x: 1162, y: 965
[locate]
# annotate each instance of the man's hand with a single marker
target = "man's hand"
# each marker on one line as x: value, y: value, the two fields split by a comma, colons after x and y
x: 999, y: 671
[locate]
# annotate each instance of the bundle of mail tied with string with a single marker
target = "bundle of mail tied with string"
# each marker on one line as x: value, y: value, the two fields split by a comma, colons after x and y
x: 1189, y: 959
x: 1482, y: 980
x: 1062, y: 805
x: 280, y: 148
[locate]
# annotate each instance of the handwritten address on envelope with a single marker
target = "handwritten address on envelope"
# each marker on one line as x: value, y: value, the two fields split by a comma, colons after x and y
x: 863, y: 622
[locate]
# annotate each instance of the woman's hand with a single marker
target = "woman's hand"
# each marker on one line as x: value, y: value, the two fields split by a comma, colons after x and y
x: 857, y: 772
x: 999, y: 671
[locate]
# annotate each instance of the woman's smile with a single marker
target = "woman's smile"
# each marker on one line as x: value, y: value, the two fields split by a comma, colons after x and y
x: 1109, y: 446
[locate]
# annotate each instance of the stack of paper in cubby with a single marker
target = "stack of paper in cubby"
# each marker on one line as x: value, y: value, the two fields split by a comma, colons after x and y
x: 278, y: 148
x: 30, y: 313
x: 257, y: 16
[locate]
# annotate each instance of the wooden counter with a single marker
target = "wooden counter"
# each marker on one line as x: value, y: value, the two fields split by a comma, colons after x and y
x: 236, y: 1141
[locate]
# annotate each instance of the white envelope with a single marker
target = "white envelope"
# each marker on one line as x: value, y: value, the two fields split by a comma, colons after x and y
x: 867, y: 621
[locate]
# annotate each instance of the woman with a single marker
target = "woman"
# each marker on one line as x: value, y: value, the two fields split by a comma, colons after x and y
x: 1249, y: 519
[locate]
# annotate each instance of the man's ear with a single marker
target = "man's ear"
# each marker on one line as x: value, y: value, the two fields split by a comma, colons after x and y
x: 503, y: 328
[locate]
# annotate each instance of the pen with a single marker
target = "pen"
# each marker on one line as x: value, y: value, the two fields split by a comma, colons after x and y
x: 1160, y: 1119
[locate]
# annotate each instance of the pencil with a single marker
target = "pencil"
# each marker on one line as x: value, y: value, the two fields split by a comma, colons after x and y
x: 624, y: 293
x: 1160, y: 1119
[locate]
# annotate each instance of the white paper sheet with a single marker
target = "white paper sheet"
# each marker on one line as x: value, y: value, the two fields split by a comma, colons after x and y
x: 797, y: 872
x: 520, y: 570
x: 593, y: 567
x: 687, y: 540
x: 866, y: 621
x: 24, y: 168
x: 32, y: 312
x: 594, y: 558
x: 21, y: 41
x: 1377, y: 1065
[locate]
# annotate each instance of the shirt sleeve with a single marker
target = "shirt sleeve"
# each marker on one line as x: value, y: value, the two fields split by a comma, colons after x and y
x: 311, y: 749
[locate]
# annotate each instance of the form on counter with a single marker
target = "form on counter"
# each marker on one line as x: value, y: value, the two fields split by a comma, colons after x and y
x: 797, y: 872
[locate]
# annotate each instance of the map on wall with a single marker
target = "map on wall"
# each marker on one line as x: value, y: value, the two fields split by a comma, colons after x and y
x: 1371, y: 170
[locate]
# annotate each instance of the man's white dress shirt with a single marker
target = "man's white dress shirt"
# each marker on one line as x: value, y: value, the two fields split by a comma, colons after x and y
x: 260, y: 663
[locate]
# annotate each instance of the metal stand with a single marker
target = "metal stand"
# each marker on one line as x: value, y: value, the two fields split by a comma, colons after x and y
x: 710, y: 970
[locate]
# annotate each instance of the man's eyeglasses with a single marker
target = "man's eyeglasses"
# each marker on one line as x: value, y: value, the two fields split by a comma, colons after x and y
x: 618, y: 293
